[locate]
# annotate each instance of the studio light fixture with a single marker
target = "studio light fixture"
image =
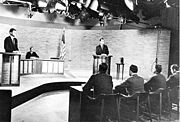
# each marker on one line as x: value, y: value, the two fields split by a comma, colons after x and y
x: 94, y: 5
x: 60, y: 6
x: 42, y: 3
x: 124, y: 11
x: 129, y: 4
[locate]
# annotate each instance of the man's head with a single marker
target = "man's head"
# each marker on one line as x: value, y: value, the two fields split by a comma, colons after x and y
x: 174, y: 68
x: 12, y: 32
x: 31, y: 48
x: 158, y: 68
x: 103, y: 67
x: 101, y: 41
x: 133, y: 69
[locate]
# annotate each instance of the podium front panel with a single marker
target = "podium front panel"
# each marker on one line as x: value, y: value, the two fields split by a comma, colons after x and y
x: 98, y: 59
x: 10, y: 69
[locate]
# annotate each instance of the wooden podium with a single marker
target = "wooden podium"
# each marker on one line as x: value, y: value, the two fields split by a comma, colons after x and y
x: 10, y: 75
x: 98, y: 59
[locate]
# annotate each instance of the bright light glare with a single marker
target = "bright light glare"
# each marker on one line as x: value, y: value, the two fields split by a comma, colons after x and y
x: 42, y: 4
x: 129, y: 4
x: 94, y: 5
x: 59, y: 6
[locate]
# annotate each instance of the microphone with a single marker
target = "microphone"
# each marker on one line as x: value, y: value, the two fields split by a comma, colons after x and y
x: 122, y: 60
x: 156, y: 60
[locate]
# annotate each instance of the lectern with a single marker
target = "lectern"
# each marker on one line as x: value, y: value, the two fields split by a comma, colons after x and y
x: 10, y: 74
x: 98, y: 59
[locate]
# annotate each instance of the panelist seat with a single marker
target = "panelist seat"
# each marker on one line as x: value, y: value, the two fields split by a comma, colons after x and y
x: 136, y: 99
x: 114, y: 98
x: 173, y: 100
x: 109, y: 106
x: 152, y: 97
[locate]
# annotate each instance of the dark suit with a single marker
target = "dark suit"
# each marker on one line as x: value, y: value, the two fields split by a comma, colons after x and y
x: 172, y: 83
x: 29, y: 55
x: 10, y: 45
x: 173, y: 80
x: 100, y: 50
x: 156, y: 82
x: 133, y: 84
x: 101, y: 82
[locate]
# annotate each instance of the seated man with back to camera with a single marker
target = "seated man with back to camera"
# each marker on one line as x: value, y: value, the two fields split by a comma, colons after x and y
x: 173, y: 80
x: 133, y: 84
x: 102, y: 84
x: 31, y: 54
x: 157, y: 81
x: 172, y: 85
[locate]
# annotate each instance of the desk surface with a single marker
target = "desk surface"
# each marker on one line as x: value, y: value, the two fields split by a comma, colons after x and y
x: 42, y: 60
x: 9, y: 53
x: 79, y: 88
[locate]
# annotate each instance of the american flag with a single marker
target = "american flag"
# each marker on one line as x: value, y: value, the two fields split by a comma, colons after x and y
x: 62, y: 47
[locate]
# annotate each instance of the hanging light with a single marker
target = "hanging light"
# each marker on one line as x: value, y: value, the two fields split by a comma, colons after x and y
x: 129, y: 4
x: 94, y: 5
x: 60, y: 6
x: 42, y: 3
x: 87, y: 3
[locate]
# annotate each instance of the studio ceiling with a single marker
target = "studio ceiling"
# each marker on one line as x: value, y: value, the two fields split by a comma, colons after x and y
x: 103, y: 11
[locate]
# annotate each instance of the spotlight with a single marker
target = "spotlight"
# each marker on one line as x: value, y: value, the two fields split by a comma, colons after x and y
x: 129, y: 4
x: 94, y: 5
x: 42, y: 4
x: 87, y: 3
x: 60, y: 6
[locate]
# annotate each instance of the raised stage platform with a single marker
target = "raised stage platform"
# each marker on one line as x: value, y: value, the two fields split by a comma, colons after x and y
x: 44, y: 97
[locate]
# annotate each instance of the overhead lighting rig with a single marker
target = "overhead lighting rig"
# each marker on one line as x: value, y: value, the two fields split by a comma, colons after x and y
x: 102, y: 10
x: 20, y: 4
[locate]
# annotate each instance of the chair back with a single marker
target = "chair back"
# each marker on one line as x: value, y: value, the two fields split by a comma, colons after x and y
x: 133, y: 96
x: 174, y: 94
x: 158, y: 91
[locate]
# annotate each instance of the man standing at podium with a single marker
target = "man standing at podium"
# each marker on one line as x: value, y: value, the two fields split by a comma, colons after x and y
x: 102, y: 48
x: 10, y: 42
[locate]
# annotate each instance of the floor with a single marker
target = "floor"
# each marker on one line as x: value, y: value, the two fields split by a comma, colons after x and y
x: 51, y: 106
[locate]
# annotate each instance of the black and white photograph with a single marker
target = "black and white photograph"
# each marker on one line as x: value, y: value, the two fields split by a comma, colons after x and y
x: 89, y: 61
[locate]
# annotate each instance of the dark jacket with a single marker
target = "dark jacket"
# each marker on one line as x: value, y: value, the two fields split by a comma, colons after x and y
x: 101, y: 82
x: 29, y: 55
x: 9, y: 46
x: 173, y: 80
x: 156, y: 82
x: 100, y: 51
x: 133, y: 84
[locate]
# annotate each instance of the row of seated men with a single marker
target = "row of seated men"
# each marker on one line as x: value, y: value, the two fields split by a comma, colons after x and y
x: 102, y: 84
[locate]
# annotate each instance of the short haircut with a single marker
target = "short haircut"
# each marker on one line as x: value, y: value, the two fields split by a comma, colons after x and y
x: 158, y: 68
x: 175, y: 66
x: 12, y: 29
x: 134, y: 68
x: 103, y: 67
x: 101, y: 39
x: 31, y: 47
